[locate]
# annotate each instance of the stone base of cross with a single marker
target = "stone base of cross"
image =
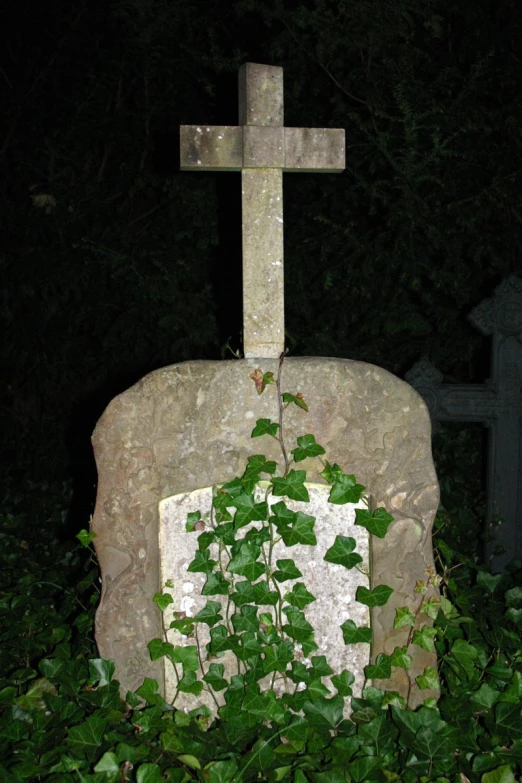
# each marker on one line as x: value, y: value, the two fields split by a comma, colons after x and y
x: 261, y: 148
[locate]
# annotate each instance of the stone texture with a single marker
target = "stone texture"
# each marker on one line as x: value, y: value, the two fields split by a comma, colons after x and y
x: 261, y: 148
x: 188, y: 426
x: 333, y: 585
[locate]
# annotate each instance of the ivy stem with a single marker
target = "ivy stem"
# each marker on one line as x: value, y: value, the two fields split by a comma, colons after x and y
x: 281, y: 409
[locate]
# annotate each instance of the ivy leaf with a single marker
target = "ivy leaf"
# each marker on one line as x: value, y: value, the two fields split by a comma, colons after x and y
x: 162, y: 600
x: 316, y: 689
x: 257, y: 464
x: 189, y: 683
x: 210, y: 614
x: 354, y: 635
x: 488, y: 581
x: 193, y: 519
x: 263, y: 595
x: 297, y: 399
x: 244, y: 593
x: 216, y: 584
x: 158, y: 648
x: 186, y: 656
x: 376, y: 597
x: 282, y: 515
x: 331, y: 472
x: 343, y: 682
x: 298, y: 627
x: 425, y: 638
x: 214, y: 677
x: 292, y: 486
x: 85, y: 537
x: 287, y: 570
x: 514, y: 596
x: 219, y: 640
x: 278, y: 656
x: 380, y: 670
x: 345, y: 490
x: 376, y: 523
x: 245, y: 562
x: 262, y: 380
x: 341, y: 552
x: 503, y: 774
x: 248, y: 510
x: 301, y: 532
x: 307, y: 447
x: 246, y: 620
x: 320, y: 666
x: 202, y: 563
x: 89, y: 734
x: 183, y: 624
x: 464, y: 653
x: 325, y: 713
x: 299, y: 596
x: 265, y: 427
x: 428, y: 679
x: 401, y: 658
x: 404, y: 617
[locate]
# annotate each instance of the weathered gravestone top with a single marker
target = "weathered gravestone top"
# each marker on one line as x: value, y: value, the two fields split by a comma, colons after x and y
x: 498, y: 405
x: 261, y: 148
x: 186, y: 427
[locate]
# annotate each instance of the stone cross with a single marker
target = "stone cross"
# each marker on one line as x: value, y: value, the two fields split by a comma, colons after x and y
x: 498, y: 405
x: 262, y: 148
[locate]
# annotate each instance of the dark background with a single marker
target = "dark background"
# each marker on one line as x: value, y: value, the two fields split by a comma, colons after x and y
x: 114, y: 263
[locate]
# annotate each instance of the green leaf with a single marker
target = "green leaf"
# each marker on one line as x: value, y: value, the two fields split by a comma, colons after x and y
x: 513, y: 597
x: 296, y: 399
x: 85, y: 537
x: 162, y: 600
x: 89, y: 734
x: 186, y: 656
x: 376, y: 597
x: 331, y: 472
x: 220, y: 771
x: 193, y: 519
x: 100, y: 671
x: 488, y: 581
x: 244, y: 594
x: 287, y: 570
x: 219, y: 640
x: 182, y: 623
x: 245, y: 562
x: 428, y: 679
x: 301, y: 532
x: 485, y: 697
x: 345, y: 490
x: 320, y: 666
x: 299, y: 596
x: 325, y: 713
x: 282, y: 515
x: 189, y: 684
x: 157, y: 648
x: 376, y: 523
x: 210, y: 614
x: 108, y: 763
x: 278, y: 656
x: 292, y: 486
x: 202, y: 563
x: 149, y: 773
x: 264, y: 427
x: 401, y: 658
x: 216, y: 584
x: 341, y: 552
x: 503, y: 774
x: 298, y: 627
x: 256, y: 464
x: 404, y: 617
x: 425, y: 638
x: 190, y: 761
x: 248, y: 510
x: 246, y: 620
x: 380, y: 670
x: 464, y: 653
x: 214, y: 677
x: 264, y: 596
x: 343, y: 682
x: 354, y: 635
x: 307, y: 447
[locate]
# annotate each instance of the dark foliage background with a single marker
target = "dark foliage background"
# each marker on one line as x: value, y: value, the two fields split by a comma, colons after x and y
x: 114, y: 263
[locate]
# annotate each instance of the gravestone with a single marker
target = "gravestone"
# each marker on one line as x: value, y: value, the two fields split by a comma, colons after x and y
x: 187, y: 427
x: 498, y: 405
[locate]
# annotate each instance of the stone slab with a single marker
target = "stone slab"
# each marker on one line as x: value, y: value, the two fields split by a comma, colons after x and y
x: 188, y: 426
x: 333, y: 586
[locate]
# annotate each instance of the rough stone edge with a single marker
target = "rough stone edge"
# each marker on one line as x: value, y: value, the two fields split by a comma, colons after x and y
x: 129, y: 488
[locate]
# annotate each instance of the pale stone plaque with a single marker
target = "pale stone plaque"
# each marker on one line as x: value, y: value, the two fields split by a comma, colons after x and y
x: 333, y: 586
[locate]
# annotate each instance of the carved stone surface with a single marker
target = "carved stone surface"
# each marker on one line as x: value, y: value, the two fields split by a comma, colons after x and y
x: 188, y: 426
x: 498, y: 405
x: 333, y: 585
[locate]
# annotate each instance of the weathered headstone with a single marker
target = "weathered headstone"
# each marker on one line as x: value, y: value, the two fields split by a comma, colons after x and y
x: 187, y: 427
x: 498, y: 405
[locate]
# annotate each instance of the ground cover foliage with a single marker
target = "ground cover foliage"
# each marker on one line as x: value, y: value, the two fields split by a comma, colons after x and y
x: 62, y: 718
